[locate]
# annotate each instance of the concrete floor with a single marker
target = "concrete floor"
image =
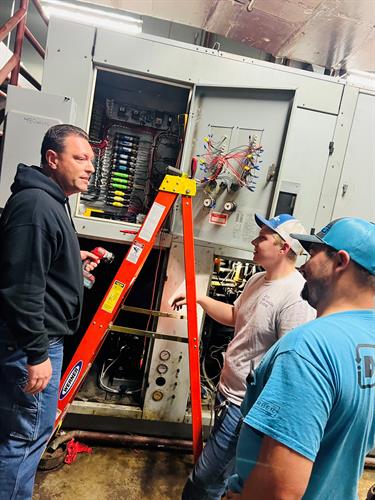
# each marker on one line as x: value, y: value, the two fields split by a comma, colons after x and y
x: 117, y: 474
x: 128, y: 474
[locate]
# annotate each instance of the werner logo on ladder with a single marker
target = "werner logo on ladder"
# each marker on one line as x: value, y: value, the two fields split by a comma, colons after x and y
x: 102, y: 322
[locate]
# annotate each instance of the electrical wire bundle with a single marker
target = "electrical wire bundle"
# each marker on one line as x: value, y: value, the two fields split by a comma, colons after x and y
x: 234, y: 169
x: 104, y: 377
x: 99, y: 148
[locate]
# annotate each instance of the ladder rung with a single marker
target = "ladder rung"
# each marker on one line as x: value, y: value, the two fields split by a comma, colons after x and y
x: 151, y: 312
x: 146, y: 333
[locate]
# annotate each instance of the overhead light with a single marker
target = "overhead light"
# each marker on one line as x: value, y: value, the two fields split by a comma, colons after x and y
x: 93, y: 17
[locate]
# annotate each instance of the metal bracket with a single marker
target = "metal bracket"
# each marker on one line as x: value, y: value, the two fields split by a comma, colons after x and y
x: 271, y: 173
x: 180, y: 185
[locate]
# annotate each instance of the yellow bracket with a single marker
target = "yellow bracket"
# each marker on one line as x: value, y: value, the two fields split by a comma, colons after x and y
x: 180, y: 185
x: 92, y: 211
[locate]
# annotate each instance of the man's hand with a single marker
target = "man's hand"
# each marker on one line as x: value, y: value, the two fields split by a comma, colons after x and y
x: 179, y: 301
x: 219, y: 311
x: 38, y: 377
x: 92, y: 260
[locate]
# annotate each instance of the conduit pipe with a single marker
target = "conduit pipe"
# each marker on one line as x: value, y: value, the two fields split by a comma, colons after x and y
x: 122, y: 440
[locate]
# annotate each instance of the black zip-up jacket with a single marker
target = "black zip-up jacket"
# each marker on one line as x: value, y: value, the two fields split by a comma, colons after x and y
x: 41, y: 284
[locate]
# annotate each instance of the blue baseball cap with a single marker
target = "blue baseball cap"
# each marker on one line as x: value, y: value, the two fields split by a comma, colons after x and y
x: 283, y: 225
x: 352, y: 234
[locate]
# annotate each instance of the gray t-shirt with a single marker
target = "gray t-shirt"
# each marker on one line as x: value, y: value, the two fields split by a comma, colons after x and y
x: 264, y: 312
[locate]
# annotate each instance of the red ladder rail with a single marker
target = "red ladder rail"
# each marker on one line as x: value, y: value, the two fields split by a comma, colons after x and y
x: 191, y: 299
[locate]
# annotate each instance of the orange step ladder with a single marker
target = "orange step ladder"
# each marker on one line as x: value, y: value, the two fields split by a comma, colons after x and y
x: 102, y: 322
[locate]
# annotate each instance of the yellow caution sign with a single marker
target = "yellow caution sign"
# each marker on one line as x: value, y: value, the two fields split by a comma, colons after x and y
x: 113, y: 296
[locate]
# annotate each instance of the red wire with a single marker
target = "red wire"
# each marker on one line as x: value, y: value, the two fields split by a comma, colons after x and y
x: 233, y: 161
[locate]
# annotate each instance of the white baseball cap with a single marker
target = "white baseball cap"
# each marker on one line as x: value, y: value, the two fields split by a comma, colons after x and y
x: 284, y: 225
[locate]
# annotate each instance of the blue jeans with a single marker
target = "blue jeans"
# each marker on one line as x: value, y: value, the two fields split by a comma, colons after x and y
x: 26, y: 421
x: 216, y: 463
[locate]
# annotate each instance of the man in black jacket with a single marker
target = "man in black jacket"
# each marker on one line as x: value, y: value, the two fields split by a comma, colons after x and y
x: 41, y: 289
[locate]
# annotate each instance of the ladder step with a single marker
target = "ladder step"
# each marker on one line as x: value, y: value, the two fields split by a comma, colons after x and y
x: 151, y: 312
x: 146, y: 333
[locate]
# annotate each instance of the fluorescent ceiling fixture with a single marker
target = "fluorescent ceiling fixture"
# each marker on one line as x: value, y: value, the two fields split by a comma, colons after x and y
x: 93, y: 17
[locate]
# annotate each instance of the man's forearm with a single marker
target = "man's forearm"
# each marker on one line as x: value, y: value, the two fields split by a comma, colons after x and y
x: 219, y: 311
x: 262, y: 486
x: 280, y: 474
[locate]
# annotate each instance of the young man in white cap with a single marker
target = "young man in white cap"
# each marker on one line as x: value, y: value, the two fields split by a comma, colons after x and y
x: 309, y: 409
x: 269, y: 307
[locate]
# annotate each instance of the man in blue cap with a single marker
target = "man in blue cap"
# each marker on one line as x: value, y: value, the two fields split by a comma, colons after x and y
x: 309, y: 409
x: 269, y: 306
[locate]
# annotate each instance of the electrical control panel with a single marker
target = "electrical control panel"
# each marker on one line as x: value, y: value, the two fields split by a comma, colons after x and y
x: 136, y: 134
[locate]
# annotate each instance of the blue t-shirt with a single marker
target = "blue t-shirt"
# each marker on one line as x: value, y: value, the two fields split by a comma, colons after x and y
x: 314, y: 392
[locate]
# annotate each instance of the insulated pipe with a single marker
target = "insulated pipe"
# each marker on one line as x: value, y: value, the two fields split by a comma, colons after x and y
x: 123, y: 440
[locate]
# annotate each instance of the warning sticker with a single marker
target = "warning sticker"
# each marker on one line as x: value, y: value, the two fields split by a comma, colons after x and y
x: 113, y: 296
x: 152, y: 220
x: 135, y: 252
x: 218, y: 218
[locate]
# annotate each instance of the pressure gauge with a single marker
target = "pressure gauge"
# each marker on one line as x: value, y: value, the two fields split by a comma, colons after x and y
x: 162, y: 368
x: 164, y: 355
x: 157, y: 395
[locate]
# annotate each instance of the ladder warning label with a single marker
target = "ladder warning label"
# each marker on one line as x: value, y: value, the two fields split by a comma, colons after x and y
x: 135, y: 252
x: 151, y: 222
x: 113, y: 296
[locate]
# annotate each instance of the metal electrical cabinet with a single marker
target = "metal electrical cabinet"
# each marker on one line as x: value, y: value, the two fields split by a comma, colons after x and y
x: 226, y: 118
x: 356, y: 188
x: 268, y: 139
x: 29, y: 114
